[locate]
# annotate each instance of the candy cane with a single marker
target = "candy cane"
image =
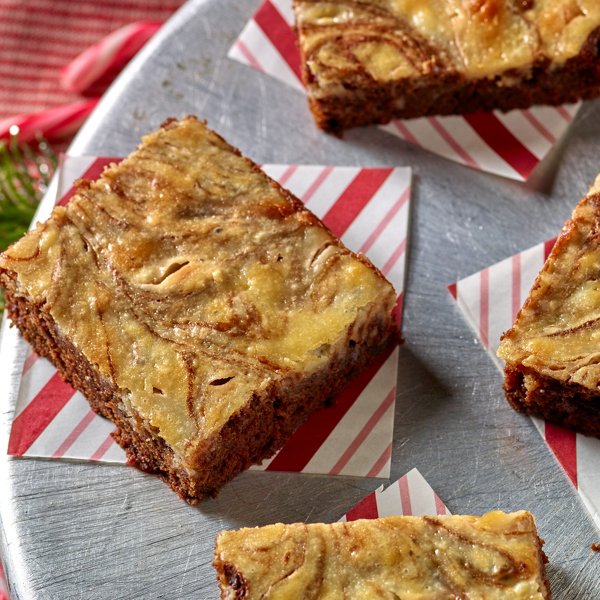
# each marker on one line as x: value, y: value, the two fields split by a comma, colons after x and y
x: 111, y: 53
x: 54, y: 123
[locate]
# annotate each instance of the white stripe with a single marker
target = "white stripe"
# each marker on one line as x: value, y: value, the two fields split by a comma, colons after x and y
x: 387, y: 243
x: 427, y: 137
x: 572, y: 109
x: 499, y: 302
x: 33, y: 381
x: 373, y: 446
x: 267, y: 56
x: 549, y: 117
x: 60, y: 427
x: 532, y: 261
x: 331, y: 189
x: 275, y: 172
x: 468, y: 292
x: 485, y: 156
x: 304, y: 177
x: 388, y: 501
x: 377, y: 208
x: 285, y: 9
x: 90, y: 439
x: 422, y: 498
x: 397, y: 274
x: 588, y: 474
x: 525, y: 132
x: 353, y: 421
x: 114, y: 455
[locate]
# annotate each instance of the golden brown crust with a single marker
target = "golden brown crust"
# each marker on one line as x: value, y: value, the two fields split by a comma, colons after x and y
x: 495, y: 556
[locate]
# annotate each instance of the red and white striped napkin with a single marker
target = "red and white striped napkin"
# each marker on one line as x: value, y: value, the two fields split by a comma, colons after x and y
x: 410, y: 495
x: 507, y: 144
x: 369, y: 209
x: 3, y: 585
x: 489, y: 301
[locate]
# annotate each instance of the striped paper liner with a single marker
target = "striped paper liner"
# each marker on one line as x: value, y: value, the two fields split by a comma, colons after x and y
x: 369, y: 210
x: 507, y: 144
x: 489, y: 301
x: 410, y: 495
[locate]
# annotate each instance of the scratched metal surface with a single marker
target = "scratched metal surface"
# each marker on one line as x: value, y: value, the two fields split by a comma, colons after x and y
x: 82, y: 531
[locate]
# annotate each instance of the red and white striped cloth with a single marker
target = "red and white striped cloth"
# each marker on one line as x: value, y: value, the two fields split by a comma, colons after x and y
x: 508, y: 144
x: 40, y: 37
x: 368, y: 208
x: 489, y: 301
x: 3, y: 585
x: 410, y: 495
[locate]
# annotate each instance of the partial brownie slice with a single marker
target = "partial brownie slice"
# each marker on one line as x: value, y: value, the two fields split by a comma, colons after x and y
x: 371, y: 61
x: 197, y: 304
x: 496, y: 556
x: 552, y: 351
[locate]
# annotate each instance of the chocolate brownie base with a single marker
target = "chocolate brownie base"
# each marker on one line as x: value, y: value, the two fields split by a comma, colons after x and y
x: 566, y: 404
x: 367, y: 103
x: 251, y: 435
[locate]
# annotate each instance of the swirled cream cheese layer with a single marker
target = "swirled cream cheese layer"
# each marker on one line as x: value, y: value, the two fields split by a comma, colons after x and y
x: 191, y: 281
x: 493, y: 557
x: 557, y: 332
x: 389, y: 40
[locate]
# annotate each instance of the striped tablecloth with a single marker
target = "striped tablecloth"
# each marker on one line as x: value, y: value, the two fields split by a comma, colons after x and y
x: 39, y: 37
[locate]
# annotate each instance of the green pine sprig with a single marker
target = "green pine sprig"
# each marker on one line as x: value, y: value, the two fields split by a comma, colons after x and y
x: 25, y: 172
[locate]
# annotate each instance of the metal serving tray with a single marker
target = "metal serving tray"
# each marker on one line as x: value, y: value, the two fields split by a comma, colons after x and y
x: 84, y: 531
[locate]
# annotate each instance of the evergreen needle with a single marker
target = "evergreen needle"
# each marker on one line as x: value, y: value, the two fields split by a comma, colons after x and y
x: 25, y: 171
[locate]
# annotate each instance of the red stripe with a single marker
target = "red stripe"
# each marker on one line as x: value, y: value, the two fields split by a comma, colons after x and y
x: 405, y: 133
x: 499, y: 138
x: 440, y: 509
x: 29, y: 362
x: 449, y: 139
x: 75, y: 433
x: 132, y: 9
x: 397, y: 310
x: 536, y: 123
x: 252, y: 61
x: 452, y: 288
x: 405, y: 496
x: 287, y: 174
x: 385, y: 221
x: 380, y: 462
x: 316, y: 184
x: 309, y: 437
x: 564, y: 113
x: 391, y: 261
x: 31, y: 18
x: 38, y: 414
x: 354, y: 198
x: 103, y: 448
x: 548, y: 245
x: 107, y: 20
x: 365, y: 509
x: 516, y: 285
x: 484, y: 299
x: 8, y: 45
x: 364, y: 432
x: 35, y: 62
x: 31, y: 85
x: 93, y: 172
x: 280, y: 34
x: 44, y: 35
x: 564, y: 445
